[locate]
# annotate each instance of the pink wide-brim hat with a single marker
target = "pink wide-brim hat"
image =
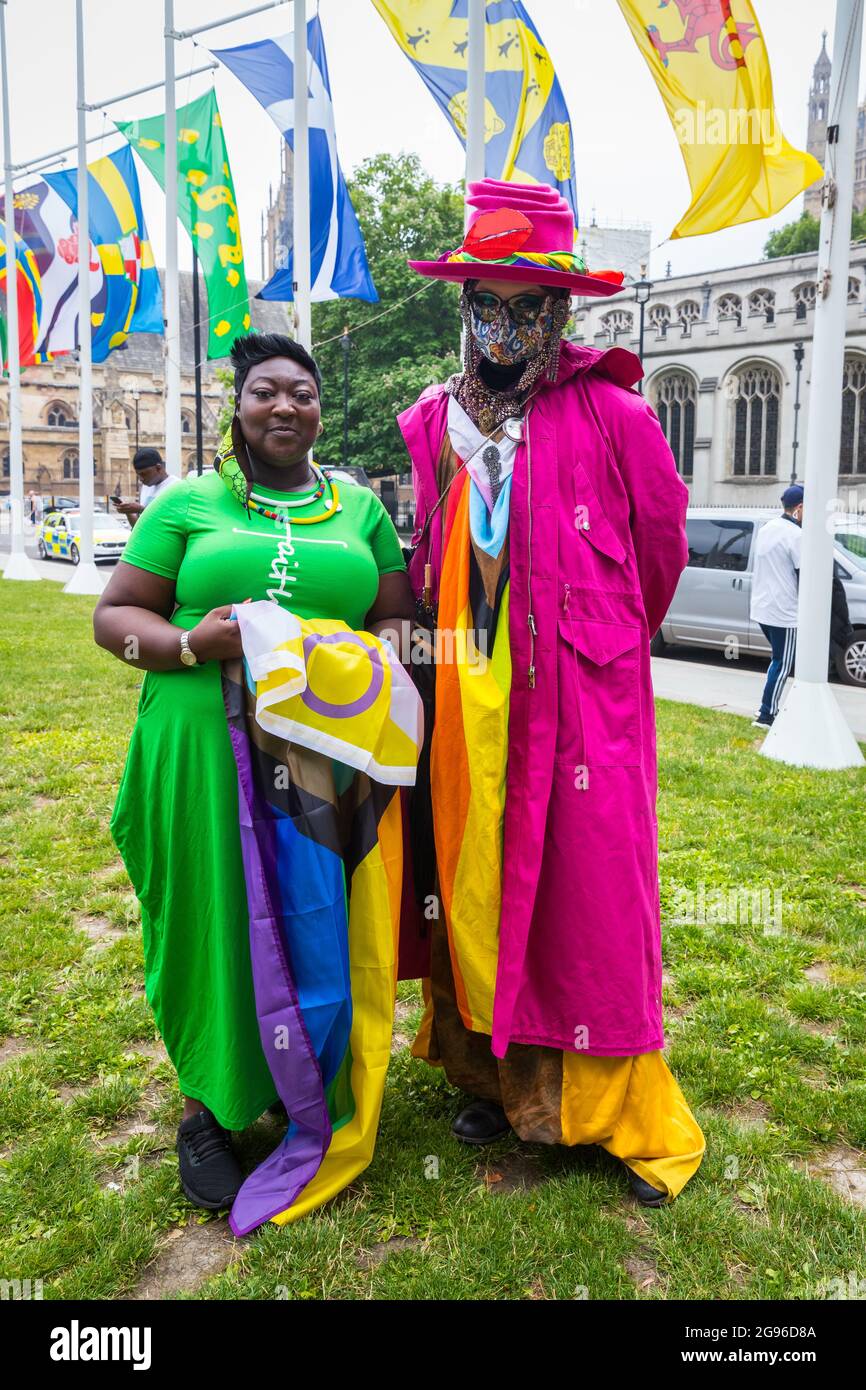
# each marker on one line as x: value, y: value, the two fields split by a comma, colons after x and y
x: 523, y: 232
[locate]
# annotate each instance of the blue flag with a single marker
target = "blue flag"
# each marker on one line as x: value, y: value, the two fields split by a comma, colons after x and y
x: 125, y: 292
x: 338, y: 257
x: 528, y: 136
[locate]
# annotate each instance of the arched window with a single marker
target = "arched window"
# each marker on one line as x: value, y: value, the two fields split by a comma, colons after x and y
x: 804, y: 297
x: 60, y: 416
x: 659, y: 318
x: 755, y: 397
x: 185, y: 424
x: 6, y: 466
x: 617, y: 321
x: 852, y: 454
x: 730, y: 306
x: 688, y: 312
x: 675, y: 401
x: 853, y: 290
x: 70, y: 465
x: 763, y: 302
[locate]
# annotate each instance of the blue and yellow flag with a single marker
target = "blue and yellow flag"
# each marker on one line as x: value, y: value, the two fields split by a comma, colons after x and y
x: 710, y: 63
x: 125, y: 292
x: 528, y: 136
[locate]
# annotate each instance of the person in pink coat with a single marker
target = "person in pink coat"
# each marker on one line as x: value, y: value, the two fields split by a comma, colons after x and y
x: 549, y: 540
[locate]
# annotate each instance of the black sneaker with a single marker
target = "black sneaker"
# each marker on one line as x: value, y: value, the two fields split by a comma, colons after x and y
x: 481, y: 1122
x: 647, y: 1195
x: 762, y: 721
x: 209, y: 1172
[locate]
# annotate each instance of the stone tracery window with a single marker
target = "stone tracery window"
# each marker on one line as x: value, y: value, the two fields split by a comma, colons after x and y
x: 804, y: 297
x: 60, y: 415
x: 730, y: 306
x: 675, y: 401
x: 688, y: 312
x: 659, y: 318
x: 617, y: 321
x: 755, y: 397
x: 763, y: 302
x: 852, y: 453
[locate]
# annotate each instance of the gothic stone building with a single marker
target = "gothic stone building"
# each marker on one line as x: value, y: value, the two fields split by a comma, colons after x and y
x: 720, y: 371
x: 129, y: 408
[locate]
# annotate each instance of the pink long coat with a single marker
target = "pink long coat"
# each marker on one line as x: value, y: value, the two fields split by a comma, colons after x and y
x: 597, y: 533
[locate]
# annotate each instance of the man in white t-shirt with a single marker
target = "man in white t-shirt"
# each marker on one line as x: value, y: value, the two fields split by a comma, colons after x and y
x: 153, y: 479
x: 775, y: 595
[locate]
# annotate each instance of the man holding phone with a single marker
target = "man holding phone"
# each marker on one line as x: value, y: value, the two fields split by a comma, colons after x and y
x: 153, y: 479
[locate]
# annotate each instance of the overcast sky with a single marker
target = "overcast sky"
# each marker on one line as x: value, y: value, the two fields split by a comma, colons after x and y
x: 628, y: 163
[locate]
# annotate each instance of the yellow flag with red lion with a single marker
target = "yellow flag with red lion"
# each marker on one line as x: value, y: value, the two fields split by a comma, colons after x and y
x: 711, y: 65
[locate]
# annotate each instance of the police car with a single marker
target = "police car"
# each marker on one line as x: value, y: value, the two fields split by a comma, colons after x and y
x: 60, y: 536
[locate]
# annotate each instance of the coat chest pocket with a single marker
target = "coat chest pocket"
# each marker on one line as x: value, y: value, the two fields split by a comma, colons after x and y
x: 599, y: 693
x: 591, y: 526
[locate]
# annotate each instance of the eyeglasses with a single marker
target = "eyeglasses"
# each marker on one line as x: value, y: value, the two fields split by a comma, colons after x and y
x: 522, y: 309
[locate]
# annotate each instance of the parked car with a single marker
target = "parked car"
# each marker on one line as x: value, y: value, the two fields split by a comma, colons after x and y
x: 60, y: 536
x: 711, y: 605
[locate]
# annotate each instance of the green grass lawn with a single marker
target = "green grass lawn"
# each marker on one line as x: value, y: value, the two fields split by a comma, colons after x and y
x: 766, y: 1033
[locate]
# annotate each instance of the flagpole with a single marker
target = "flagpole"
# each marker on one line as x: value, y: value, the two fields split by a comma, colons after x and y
x: 196, y: 341
x: 172, y: 287
x: 810, y: 729
x: 86, y: 578
x: 18, y: 565
x: 475, y: 91
x: 301, y: 183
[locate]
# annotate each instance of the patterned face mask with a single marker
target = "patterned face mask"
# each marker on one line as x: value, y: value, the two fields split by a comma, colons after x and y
x: 505, y: 342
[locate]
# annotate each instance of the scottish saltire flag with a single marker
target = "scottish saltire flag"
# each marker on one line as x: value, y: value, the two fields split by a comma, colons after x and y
x: 338, y: 257
x: 125, y: 291
x: 29, y: 299
x: 527, y: 128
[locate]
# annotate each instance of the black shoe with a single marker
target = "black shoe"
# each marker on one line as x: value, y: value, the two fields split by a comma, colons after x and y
x: 647, y: 1196
x: 762, y: 721
x: 209, y: 1172
x: 480, y: 1123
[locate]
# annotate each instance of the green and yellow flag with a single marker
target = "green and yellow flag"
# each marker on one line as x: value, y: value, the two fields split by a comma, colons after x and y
x: 206, y: 207
x: 710, y: 63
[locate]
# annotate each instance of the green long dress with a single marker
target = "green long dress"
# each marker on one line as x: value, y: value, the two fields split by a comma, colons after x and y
x: 176, y: 817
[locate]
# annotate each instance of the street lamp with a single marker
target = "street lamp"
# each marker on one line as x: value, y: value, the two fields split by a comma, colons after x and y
x: 799, y: 354
x: 642, y: 290
x: 346, y: 345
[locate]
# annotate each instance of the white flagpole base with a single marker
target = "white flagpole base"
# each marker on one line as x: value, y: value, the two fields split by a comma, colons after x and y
x: 20, y: 566
x: 85, y: 580
x: 810, y: 730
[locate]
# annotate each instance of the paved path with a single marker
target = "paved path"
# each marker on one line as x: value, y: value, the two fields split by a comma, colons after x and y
x: 735, y: 689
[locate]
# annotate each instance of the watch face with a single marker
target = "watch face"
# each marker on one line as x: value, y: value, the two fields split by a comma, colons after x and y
x: 187, y: 657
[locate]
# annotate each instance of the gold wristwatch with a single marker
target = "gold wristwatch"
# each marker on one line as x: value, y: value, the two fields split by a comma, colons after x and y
x: 187, y: 655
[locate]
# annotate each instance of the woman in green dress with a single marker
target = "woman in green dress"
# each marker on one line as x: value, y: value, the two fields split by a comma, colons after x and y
x: 197, y: 550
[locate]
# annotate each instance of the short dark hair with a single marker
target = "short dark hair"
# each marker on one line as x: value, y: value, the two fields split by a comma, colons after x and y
x: 253, y: 348
x: 147, y: 458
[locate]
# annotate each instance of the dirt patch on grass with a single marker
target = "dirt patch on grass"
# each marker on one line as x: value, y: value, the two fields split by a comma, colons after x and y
x: 641, y: 1270
x: 510, y: 1173
x: 819, y: 973
x: 818, y: 1030
x: 399, y: 1041
x: 100, y: 932
x: 13, y: 1048
x: 189, y: 1256
x: 41, y: 803
x: 844, y: 1170
x: 750, y: 1114
x: 384, y: 1249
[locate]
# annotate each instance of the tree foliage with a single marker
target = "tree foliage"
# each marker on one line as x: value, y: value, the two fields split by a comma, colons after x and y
x: 803, y: 235
x: 404, y: 215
